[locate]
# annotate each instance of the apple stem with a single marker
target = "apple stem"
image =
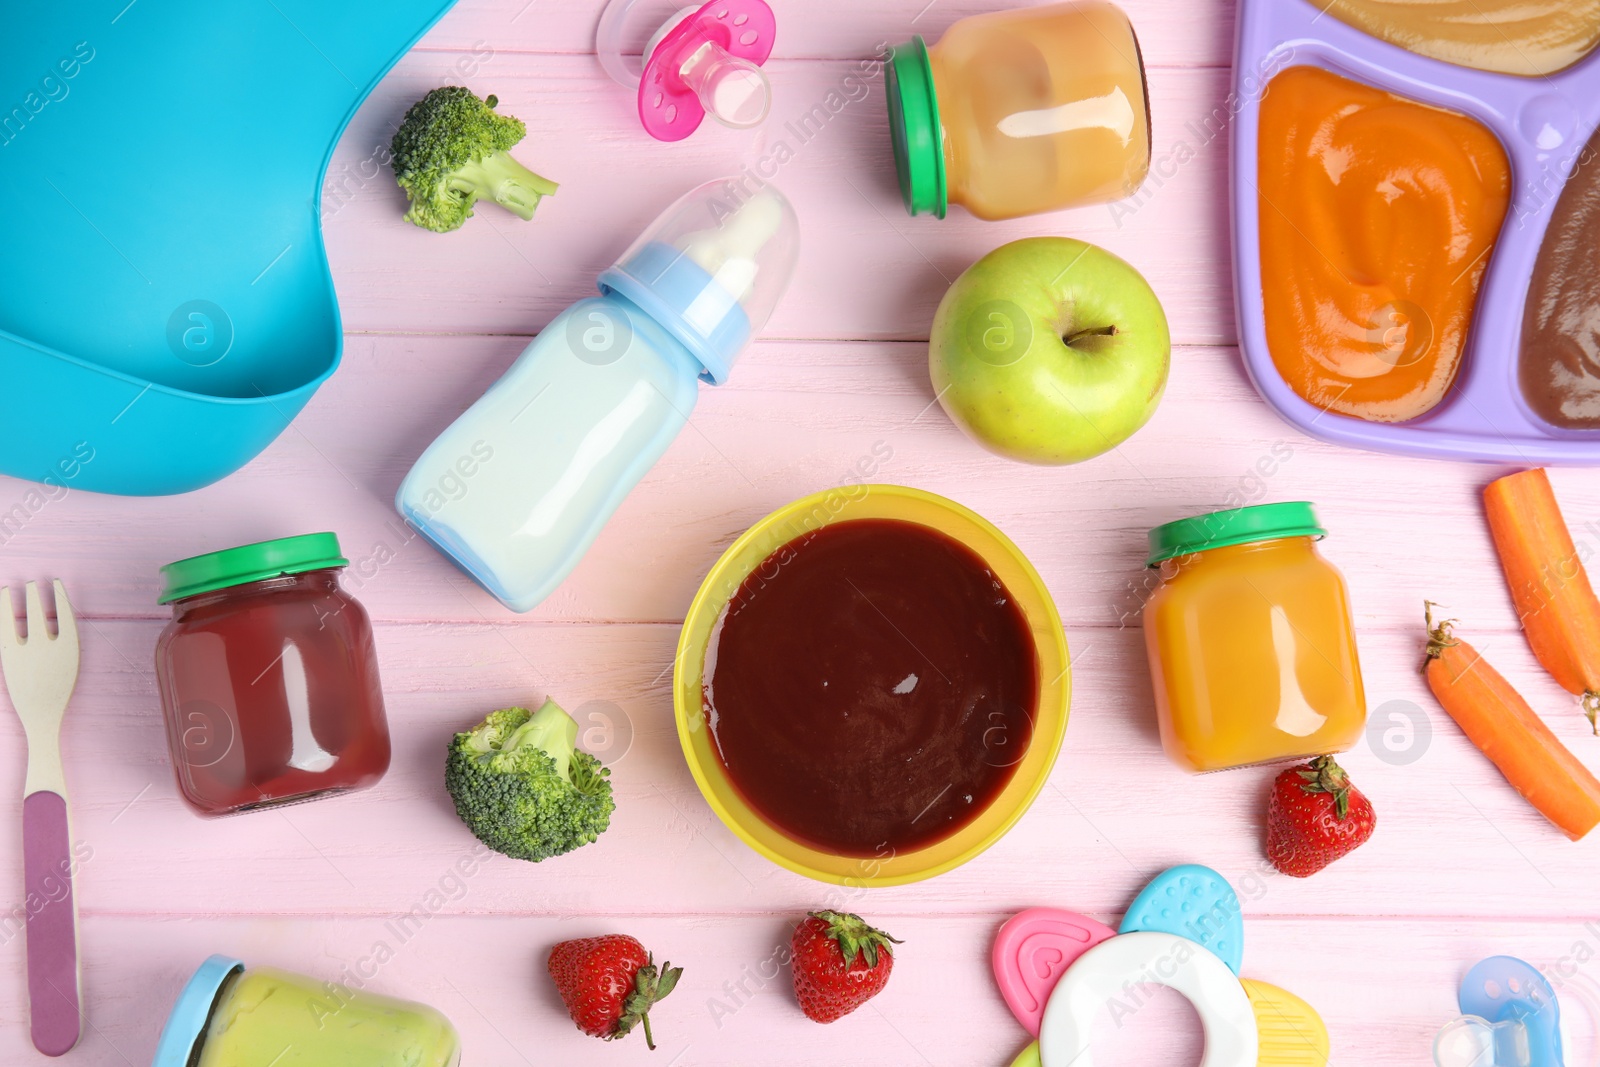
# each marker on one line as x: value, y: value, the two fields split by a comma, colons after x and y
x: 1101, y: 331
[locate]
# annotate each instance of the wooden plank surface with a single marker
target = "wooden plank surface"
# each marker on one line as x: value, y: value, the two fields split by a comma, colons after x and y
x: 1460, y: 868
x: 868, y: 271
x: 1383, y: 1006
x: 1170, y: 33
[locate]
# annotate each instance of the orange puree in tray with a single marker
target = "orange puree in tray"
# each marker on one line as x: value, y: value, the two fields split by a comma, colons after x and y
x: 1377, y: 215
x: 1530, y: 37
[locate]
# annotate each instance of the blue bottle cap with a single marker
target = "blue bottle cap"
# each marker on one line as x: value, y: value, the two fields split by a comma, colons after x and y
x: 673, y: 289
x: 711, y: 268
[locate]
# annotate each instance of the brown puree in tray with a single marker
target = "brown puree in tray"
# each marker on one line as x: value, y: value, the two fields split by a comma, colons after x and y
x: 871, y: 687
x: 1560, y: 363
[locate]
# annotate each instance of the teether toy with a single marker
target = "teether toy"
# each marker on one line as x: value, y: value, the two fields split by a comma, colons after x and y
x: 1194, y: 902
x: 1109, y: 968
x: 1291, y: 1032
x: 1028, y: 1057
x: 1031, y: 951
x: 699, y: 60
x: 1185, y: 931
x: 1509, y: 1018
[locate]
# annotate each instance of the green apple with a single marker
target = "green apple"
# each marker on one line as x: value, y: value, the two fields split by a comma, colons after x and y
x: 1050, y: 350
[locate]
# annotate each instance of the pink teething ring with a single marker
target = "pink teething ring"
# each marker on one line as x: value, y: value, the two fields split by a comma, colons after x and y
x: 668, y: 106
x: 1032, y: 950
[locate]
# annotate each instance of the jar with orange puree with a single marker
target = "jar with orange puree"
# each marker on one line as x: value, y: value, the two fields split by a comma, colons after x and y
x: 1250, y: 639
x: 1017, y: 112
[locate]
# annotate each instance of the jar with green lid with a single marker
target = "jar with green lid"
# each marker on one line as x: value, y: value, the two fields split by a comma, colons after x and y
x: 268, y: 676
x: 1014, y: 113
x: 1250, y: 639
x: 230, y: 1016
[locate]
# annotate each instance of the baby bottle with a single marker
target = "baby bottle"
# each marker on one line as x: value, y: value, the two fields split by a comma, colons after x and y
x: 1016, y: 112
x: 518, y: 487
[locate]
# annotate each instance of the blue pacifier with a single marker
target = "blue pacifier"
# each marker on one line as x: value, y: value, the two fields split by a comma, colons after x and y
x: 1509, y: 1019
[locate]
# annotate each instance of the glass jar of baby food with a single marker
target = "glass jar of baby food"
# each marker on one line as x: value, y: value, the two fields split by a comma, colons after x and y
x: 1251, y: 645
x: 1016, y: 112
x: 269, y: 677
x: 228, y: 1016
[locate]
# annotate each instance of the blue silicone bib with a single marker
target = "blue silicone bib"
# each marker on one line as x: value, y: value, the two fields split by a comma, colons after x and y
x: 165, y: 301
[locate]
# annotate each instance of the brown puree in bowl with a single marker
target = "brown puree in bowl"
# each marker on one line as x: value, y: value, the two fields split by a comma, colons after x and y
x: 1560, y: 363
x: 871, y: 687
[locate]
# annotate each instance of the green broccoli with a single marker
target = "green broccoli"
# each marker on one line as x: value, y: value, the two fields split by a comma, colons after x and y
x: 451, y: 149
x: 521, y: 785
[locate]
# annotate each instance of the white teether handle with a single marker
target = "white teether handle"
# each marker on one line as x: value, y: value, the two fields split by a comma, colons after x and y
x: 1164, y: 959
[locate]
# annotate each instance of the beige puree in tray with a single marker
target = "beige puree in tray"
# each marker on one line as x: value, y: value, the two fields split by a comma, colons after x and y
x: 1530, y: 37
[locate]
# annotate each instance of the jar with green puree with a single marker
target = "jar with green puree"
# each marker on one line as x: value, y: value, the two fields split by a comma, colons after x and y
x: 228, y: 1016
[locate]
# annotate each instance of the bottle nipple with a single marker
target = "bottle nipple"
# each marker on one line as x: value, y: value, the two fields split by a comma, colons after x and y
x: 731, y: 252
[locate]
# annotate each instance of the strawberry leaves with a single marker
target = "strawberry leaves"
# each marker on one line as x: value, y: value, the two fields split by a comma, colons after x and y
x: 650, y: 986
x: 1324, y: 775
x: 856, y: 938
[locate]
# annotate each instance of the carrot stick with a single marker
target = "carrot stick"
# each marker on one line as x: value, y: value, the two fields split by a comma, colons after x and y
x: 1557, y: 606
x: 1496, y: 719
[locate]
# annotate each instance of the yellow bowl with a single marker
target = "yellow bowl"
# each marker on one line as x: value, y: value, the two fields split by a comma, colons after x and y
x: 842, y: 505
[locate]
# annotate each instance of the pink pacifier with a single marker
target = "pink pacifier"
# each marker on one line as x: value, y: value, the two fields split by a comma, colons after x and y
x: 698, y: 60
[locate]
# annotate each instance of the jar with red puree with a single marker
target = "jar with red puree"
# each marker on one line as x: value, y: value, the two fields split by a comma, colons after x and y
x: 269, y: 677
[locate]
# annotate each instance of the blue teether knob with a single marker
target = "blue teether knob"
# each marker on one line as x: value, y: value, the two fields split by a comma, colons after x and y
x: 1193, y: 902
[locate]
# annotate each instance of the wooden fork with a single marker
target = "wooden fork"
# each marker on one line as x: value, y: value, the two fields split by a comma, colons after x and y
x: 40, y: 672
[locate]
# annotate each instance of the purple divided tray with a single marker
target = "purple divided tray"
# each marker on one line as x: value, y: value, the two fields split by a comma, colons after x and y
x: 1543, y: 123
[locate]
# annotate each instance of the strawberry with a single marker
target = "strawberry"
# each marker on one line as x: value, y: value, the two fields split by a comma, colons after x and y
x: 839, y: 962
x: 610, y: 983
x: 1315, y: 816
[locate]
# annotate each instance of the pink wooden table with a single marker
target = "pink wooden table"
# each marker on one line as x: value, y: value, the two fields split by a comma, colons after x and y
x: 1460, y: 868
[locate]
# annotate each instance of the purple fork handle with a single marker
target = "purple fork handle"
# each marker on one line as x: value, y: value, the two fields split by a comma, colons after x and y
x: 52, y: 924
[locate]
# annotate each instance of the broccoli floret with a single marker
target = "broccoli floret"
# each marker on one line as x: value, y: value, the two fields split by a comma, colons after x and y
x: 521, y: 785
x: 451, y: 149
